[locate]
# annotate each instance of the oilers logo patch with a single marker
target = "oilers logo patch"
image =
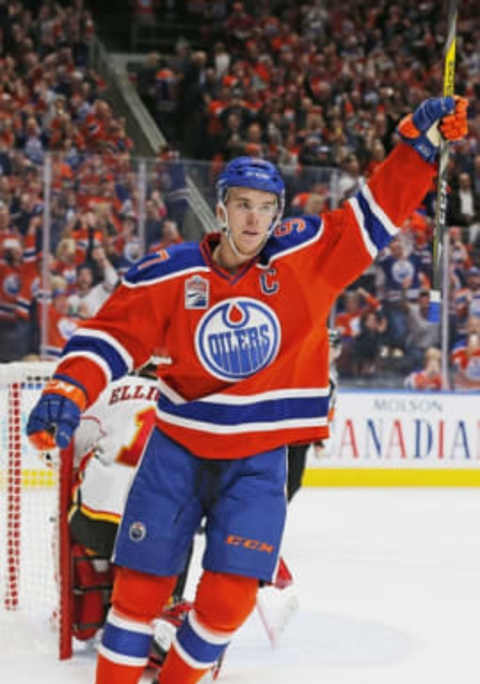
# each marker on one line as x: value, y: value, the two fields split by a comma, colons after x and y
x: 137, y: 531
x: 237, y: 337
x: 196, y: 292
x: 11, y: 284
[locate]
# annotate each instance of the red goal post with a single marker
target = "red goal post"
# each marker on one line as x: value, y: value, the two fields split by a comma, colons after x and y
x: 35, y: 563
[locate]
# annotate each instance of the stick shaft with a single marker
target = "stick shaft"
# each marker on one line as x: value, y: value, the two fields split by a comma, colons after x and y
x: 441, y: 203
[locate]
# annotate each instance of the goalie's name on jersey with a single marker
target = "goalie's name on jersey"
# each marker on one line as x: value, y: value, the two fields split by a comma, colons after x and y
x: 128, y: 391
x: 250, y: 349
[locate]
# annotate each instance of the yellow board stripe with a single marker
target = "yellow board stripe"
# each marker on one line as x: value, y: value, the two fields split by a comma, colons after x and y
x: 33, y: 478
x: 388, y: 477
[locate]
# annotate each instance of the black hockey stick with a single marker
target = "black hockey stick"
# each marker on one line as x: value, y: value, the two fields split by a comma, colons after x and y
x: 441, y: 203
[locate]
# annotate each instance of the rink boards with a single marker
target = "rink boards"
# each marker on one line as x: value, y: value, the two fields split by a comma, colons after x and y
x: 400, y: 438
x: 379, y: 438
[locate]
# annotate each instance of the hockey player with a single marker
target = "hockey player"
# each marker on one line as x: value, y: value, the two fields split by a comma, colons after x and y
x: 241, y: 316
x: 297, y: 453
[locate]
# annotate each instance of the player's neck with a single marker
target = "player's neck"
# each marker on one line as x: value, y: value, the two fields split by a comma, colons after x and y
x: 225, y: 257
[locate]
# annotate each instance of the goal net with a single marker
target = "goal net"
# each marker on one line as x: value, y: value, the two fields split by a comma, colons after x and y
x: 35, y: 575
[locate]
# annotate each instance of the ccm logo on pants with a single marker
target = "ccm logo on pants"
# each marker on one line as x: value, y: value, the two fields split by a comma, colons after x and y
x: 252, y: 544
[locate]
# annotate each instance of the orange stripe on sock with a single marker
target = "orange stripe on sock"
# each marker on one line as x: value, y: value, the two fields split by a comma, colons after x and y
x: 112, y: 673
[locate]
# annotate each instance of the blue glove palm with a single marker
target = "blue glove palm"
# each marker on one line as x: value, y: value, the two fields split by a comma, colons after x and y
x: 54, y: 419
x: 420, y: 129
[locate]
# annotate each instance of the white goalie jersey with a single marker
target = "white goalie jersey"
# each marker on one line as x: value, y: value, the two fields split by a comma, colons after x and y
x: 109, y: 443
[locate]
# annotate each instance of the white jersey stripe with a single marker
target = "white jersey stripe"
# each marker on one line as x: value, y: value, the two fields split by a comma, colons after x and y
x: 239, y: 399
x: 121, y: 659
x: 216, y: 638
x: 390, y: 227
x: 370, y: 247
x: 130, y: 625
x: 169, y: 276
x: 271, y: 426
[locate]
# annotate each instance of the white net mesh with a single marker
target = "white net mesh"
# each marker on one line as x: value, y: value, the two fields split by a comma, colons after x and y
x: 28, y: 511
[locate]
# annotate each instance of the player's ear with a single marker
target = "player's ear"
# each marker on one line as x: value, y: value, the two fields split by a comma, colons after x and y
x: 221, y: 213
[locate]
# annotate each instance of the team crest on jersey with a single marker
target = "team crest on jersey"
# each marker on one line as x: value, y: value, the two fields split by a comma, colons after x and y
x: 196, y: 292
x: 237, y: 337
x: 11, y: 284
x: 137, y: 531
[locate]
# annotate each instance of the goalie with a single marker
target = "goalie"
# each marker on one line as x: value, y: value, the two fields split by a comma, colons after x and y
x: 109, y: 442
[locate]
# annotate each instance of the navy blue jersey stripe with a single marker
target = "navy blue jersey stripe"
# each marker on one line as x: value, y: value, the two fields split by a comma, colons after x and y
x: 256, y: 412
x: 101, y: 348
x: 375, y: 228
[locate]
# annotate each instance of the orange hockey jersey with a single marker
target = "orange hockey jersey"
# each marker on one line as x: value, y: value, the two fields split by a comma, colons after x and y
x: 249, y: 351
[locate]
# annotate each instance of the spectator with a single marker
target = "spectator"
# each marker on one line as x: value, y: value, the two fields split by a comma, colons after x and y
x: 13, y: 343
x: 366, y: 345
x: 423, y: 329
x: 88, y: 298
x: 350, y: 177
x: 466, y: 362
x: 357, y: 303
x: 170, y: 236
x: 399, y: 279
x: 429, y: 377
x: 464, y: 208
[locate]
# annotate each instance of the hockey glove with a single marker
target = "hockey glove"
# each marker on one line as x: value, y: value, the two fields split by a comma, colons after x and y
x: 435, y: 118
x: 56, y: 415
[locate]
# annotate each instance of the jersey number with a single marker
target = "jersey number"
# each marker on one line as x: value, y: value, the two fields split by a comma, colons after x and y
x: 129, y: 455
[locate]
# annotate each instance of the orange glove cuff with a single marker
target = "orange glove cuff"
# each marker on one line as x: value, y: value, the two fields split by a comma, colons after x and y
x: 66, y: 389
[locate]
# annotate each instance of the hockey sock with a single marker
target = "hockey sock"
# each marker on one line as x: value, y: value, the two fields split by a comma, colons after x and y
x: 223, y: 602
x: 137, y: 599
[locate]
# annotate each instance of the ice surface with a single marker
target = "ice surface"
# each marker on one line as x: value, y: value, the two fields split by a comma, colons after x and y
x: 388, y: 582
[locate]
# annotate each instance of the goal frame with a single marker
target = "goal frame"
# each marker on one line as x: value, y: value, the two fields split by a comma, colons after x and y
x: 13, y: 487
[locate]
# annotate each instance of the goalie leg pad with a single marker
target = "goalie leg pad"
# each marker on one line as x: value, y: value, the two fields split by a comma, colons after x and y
x: 92, y: 586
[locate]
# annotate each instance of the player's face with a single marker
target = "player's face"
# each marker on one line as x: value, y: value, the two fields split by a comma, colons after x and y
x: 250, y: 215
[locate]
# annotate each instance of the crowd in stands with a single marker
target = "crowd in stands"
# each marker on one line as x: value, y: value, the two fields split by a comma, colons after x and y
x: 315, y: 87
x: 52, y: 101
x: 318, y: 88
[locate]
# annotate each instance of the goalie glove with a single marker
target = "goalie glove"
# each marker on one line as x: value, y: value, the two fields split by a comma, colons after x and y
x: 55, y: 417
x: 434, y: 119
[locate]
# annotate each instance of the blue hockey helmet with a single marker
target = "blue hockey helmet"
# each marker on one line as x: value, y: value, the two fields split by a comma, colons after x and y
x: 255, y: 173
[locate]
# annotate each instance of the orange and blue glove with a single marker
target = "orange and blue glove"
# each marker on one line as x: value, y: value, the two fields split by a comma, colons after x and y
x: 434, y: 119
x: 55, y: 417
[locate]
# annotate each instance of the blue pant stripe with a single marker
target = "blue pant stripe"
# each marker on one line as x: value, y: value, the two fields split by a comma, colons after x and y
x: 126, y: 642
x: 197, y: 648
